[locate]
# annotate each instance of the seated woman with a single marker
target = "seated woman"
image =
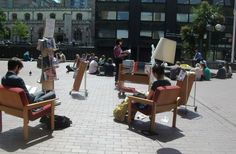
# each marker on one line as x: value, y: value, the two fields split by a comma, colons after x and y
x: 109, y: 67
x: 198, y: 71
x: 158, y: 73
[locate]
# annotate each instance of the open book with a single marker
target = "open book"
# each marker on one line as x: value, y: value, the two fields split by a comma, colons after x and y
x: 31, y: 89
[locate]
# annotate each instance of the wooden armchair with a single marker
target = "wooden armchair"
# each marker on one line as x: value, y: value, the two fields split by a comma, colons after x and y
x: 165, y: 99
x: 13, y: 101
x: 186, y: 86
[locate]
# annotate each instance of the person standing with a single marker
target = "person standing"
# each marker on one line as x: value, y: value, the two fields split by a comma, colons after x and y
x: 119, y: 55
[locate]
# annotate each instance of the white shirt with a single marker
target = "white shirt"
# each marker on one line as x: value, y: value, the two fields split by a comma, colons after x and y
x: 93, y: 67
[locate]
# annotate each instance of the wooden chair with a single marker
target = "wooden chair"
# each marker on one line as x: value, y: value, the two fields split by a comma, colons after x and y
x: 186, y: 87
x: 13, y: 101
x: 165, y: 99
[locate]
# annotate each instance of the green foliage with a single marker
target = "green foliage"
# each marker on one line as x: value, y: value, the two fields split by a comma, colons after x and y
x: 203, y: 15
x: 20, y: 30
x: 2, y: 24
x: 188, y: 41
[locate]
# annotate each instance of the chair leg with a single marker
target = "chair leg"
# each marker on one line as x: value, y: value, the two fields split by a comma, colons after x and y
x: 0, y: 121
x: 153, y: 118
x: 25, y: 127
x: 129, y: 112
x: 174, y: 117
x: 52, y: 116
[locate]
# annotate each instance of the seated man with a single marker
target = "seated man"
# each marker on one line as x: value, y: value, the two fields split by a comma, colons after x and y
x: 12, y: 80
x: 93, y: 66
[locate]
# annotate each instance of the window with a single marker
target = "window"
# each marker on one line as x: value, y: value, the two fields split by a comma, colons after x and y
x: 122, y: 15
x: 218, y: 2
x: 53, y: 15
x: 107, y: 15
x: 40, y: 16
x: 120, y: 33
x: 160, y: 1
x: 106, y: 33
x: 182, y: 1
x: 146, y: 1
x: 123, y: 0
x: 79, y: 16
x: 158, y: 16
x: 146, y: 16
x: 145, y: 33
x: 228, y: 3
x: 14, y: 16
x: 191, y: 17
x: 27, y: 16
x: 158, y: 34
x: 195, y: 1
x: 78, y: 35
x: 182, y: 17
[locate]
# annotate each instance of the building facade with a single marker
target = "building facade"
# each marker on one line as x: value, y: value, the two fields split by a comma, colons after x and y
x: 140, y: 23
x: 72, y: 24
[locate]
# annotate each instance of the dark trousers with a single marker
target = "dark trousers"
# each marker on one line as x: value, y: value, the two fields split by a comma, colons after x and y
x: 117, y: 62
x: 42, y: 96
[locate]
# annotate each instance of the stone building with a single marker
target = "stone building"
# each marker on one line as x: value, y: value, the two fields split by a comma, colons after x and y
x: 72, y: 24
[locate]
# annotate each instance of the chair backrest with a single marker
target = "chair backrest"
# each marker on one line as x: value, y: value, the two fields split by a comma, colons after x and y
x: 13, y: 97
x: 186, y: 86
x: 166, y: 95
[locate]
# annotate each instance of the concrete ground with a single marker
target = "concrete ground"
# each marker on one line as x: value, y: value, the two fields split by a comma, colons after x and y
x: 210, y: 130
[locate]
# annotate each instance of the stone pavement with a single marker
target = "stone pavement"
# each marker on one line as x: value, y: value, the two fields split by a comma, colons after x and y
x: 210, y: 130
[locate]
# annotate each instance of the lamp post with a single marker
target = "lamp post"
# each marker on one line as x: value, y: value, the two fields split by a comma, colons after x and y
x: 31, y: 35
x: 234, y: 31
x: 211, y: 28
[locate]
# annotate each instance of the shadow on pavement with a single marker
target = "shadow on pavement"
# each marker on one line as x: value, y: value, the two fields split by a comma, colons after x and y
x: 13, y: 139
x: 188, y: 114
x: 162, y: 133
x: 168, y: 151
x: 77, y: 96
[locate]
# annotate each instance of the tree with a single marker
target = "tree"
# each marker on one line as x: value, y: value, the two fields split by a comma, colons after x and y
x: 2, y: 24
x: 203, y: 16
x: 20, y: 30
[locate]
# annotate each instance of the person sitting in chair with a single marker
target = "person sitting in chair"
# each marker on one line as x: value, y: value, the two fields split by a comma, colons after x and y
x: 158, y: 73
x: 12, y: 80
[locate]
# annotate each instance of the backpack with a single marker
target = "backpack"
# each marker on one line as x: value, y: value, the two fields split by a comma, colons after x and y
x: 120, y: 111
x: 60, y: 122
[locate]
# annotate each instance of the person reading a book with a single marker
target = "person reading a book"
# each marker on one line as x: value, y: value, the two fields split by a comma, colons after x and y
x: 12, y: 80
x: 119, y: 55
x: 158, y: 73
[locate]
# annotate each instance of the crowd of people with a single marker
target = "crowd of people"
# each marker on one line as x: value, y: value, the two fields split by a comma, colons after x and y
x: 101, y: 66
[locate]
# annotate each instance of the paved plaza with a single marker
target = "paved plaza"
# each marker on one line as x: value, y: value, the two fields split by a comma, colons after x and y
x: 210, y: 130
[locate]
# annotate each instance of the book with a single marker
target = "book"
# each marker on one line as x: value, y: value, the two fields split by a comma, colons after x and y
x: 31, y: 89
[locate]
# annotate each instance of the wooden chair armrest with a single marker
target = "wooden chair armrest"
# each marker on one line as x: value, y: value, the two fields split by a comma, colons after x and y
x: 141, y: 100
x: 39, y: 104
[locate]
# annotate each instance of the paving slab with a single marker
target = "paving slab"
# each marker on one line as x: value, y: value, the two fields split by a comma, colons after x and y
x: 211, y: 130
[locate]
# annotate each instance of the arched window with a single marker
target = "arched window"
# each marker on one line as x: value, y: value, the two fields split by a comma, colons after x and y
x: 27, y: 16
x: 40, y: 33
x: 79, y: 16
x: 53, y: 15
x: 8, y: 33
x: 14, y: 16
x: 40, y: 16
x: 78, y: 35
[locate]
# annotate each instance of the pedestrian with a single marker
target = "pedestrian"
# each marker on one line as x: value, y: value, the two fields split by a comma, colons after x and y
x: 119, y: 55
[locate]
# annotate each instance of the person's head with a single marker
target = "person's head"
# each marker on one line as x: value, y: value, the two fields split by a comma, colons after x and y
x: 96, y: 58
x: 103, y: 56
x: 158, y: 71
x: 118, y: 42
x: 177, y: 63
x: 77, y: 56
x: 15, y: 65
x: 109, y: 60
x: 203, y: 64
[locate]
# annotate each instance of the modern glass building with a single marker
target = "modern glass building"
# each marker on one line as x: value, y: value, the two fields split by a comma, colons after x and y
x: 141, y: 23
